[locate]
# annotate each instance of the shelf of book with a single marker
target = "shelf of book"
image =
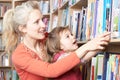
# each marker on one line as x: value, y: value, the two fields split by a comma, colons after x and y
x: 79, y: 4
x: 6, y: 1
x: 1, y: 17
x: 0, y: 33
x: 20, y: 0
x: 64, y: 5
x: 112, y: 41
x: 46, y: 15
x: 5, y: 67
x: 55, y: 12
x: 115, y: 41
x: 1, y: 50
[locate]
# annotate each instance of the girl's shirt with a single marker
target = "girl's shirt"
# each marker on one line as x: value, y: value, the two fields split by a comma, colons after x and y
x: 73, y: 74
x: 30, y: 67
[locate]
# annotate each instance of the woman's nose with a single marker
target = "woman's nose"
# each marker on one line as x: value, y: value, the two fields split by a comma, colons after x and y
x: 42, y: 24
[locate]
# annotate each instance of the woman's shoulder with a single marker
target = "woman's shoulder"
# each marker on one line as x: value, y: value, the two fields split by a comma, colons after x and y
x: 23, y: 51
x: 19, y: 48
x: 21, y: 55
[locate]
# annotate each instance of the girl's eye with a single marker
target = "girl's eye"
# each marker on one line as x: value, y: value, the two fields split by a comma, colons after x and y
x: 71, y: 34
x: 67, y: 36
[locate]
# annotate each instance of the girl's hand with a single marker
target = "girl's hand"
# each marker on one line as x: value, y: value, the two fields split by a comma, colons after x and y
x: 95, y: 45
x: 99, y: 42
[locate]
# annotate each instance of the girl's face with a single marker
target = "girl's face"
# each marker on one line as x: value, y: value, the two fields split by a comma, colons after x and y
x: 35, y: 28
x: 67, y: 41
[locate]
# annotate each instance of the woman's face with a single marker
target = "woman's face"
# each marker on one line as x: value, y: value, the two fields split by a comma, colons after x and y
x: 35, y: 28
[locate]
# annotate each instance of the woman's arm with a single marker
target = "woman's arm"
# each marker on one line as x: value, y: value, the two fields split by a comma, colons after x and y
x: 24, y: 61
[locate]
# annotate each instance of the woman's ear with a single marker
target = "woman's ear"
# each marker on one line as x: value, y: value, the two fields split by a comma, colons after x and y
x: 22, y: 28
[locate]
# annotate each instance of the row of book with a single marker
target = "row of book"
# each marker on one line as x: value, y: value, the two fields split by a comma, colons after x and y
x: 105, y: 66
x: 4, y: 7
x: 57, y: 4
x: 5, y: 59
x: 8, y: 74
x: 1, y: 25
x: 98, y: 17
x: 77, y: 24
x: 103, y: 15
x: 47, y: 23
x: 44, y: 6
x: 76, y: 21
x: 1, y: 44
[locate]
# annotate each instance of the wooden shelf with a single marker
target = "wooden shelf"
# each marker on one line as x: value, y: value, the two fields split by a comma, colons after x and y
x: 5, y: 67
x: 5, y: 0
x: 0, y: 33
x: 1, y: 17
x: 115, y: 41
x: 55, y: 12
x: 79, y: 4
x: 20, y: 0
x: 64, y: 5
x: 46, y: 15
x: 2, y: 50
x: 113, y: 48
x: 81, y: 42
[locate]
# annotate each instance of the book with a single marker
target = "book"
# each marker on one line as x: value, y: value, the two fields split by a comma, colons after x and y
x: 115, y: 22
x: 99, y: 67
x: 93, y: 66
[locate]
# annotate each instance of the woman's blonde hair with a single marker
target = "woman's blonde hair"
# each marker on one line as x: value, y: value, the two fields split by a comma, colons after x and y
x: 14, y: 18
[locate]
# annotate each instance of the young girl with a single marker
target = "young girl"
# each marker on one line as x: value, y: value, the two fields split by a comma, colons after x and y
x: 60, y: 43
x: 29, y: 56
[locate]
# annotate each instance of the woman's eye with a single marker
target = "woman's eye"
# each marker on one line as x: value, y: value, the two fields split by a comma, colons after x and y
x: 36, y: 22
x: 43, y: 19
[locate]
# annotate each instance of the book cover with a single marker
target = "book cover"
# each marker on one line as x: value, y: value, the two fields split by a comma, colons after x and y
x: 115, y: 22
x: 90, y: 18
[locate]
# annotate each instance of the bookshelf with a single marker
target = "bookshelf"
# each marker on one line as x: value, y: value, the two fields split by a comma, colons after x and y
x: 5, y: 61
x: 64, y: 12
x: 57, y: 9
x: 93, y: 18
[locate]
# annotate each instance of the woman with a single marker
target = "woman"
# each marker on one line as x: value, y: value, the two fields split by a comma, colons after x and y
x: 28, y: 54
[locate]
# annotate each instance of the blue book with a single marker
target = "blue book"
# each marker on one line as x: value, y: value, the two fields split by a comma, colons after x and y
x: 106, y: 58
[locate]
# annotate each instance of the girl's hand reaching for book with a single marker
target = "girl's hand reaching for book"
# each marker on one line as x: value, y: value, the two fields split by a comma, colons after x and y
x: 99, y: 42
x: 95, y: 45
